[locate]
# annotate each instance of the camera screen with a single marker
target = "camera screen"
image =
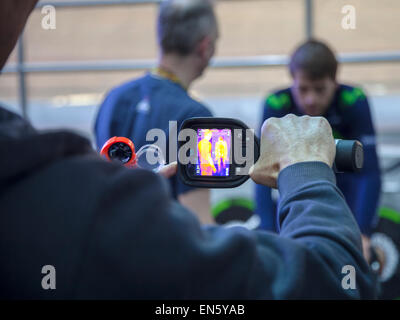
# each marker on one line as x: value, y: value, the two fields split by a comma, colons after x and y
x: 213, y: 152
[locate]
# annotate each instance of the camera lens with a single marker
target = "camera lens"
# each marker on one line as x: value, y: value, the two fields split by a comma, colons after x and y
x: 120, y: 151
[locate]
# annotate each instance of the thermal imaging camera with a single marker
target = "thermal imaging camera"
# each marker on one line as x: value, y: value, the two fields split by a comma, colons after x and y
x: 219, y: 152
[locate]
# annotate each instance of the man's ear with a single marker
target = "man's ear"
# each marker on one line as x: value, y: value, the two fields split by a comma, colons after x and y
x: 13, y: 16
x: 204, y: 47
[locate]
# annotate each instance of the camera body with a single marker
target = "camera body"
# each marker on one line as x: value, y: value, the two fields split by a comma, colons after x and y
x: 213, y: 139
x: 218, y: 153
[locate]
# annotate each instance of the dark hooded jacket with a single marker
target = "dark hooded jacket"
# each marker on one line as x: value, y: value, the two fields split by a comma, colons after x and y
x: 114, y: 233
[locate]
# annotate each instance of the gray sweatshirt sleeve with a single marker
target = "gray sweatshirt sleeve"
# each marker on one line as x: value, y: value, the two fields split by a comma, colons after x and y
x: 159, y: 250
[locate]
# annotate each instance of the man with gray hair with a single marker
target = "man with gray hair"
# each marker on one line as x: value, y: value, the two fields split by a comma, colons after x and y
x: 187, y: 32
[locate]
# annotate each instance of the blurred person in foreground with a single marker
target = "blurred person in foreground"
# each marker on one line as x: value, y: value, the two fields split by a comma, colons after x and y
x: 61, y: 205
x: 316, y: 92
x: 187, y: 33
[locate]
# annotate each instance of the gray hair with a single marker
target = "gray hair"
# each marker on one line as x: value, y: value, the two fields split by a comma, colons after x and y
x: 182, y: 24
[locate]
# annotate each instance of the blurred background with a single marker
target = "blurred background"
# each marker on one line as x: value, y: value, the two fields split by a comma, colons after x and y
x: 57, y: 77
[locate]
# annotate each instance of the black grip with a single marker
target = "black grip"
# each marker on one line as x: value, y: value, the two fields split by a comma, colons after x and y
x: 349, y: 156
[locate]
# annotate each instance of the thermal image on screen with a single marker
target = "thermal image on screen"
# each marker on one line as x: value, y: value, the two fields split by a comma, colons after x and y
x: 213, y: 150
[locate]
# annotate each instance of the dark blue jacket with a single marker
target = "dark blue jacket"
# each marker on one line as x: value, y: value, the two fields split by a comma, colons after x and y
x: 133, y: 108
x: 350, y: 118
x: 115, y: 233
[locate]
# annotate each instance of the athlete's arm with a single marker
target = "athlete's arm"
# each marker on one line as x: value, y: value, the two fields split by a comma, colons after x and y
x: 369, y: 180
x: 102, y: 128
x: 211, y: 162
x: 265, y: 206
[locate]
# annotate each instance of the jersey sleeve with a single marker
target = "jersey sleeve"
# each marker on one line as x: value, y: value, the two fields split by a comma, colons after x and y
x: 275, y: 105
x: 102, y: 128
x: 367, y: 189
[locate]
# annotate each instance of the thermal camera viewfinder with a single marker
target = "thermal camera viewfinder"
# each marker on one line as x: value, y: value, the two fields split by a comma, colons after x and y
x: 216, y: 152
x: 219, y: 152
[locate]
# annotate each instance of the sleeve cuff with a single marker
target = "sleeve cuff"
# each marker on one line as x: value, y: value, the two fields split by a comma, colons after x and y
x: 298, y: 174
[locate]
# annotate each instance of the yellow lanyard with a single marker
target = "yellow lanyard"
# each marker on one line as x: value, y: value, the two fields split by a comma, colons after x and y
x: 168, y: 75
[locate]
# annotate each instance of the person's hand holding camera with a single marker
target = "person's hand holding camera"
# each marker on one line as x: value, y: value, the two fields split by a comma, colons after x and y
x: 169, y: 170
x: 289, y: 140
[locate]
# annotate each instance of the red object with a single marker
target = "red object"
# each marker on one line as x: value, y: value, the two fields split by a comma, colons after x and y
x: 121, y: 143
